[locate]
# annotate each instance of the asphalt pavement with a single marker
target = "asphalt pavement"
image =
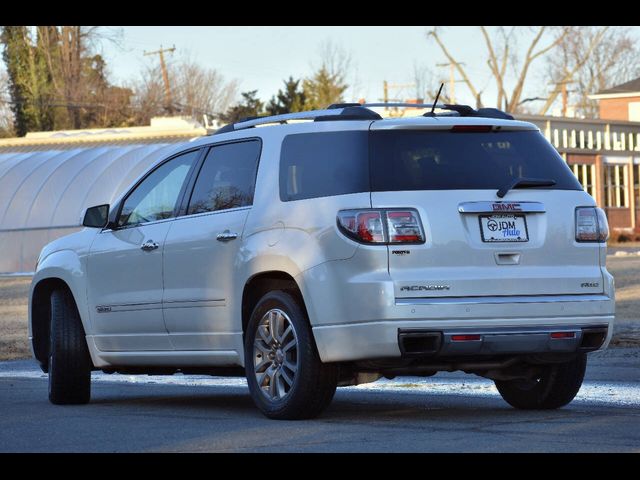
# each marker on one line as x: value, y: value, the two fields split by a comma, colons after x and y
x: 446, y: 413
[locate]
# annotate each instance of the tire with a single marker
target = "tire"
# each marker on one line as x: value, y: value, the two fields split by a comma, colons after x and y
x: 555, y: 387
x: 69, y: 361
x: 283, y: 393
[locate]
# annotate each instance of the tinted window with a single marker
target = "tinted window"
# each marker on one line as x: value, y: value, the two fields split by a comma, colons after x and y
x: 323, y: 164
x: 156, y: 197
x: 412, y: 160
x: 227, y: 178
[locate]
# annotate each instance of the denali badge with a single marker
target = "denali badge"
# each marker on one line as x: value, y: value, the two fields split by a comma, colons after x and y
x: 400, y: 252
x: 103, y: 309
x: 421, y: 288
x: 590, y: 285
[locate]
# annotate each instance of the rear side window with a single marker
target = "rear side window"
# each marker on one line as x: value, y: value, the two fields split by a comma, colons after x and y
x: 227, y: 178
x: 423, y: 160
x: 323, y: 164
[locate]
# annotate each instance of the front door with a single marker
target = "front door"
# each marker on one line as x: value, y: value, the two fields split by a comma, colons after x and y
x: 201, y: 298
x: 125, y: 263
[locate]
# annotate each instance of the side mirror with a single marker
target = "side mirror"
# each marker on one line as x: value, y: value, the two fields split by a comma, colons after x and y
x: 96, y: 217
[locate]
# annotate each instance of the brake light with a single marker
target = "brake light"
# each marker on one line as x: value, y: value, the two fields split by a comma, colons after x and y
x: 382, y: 226
x: 591, y: 225
x: 471, y: 128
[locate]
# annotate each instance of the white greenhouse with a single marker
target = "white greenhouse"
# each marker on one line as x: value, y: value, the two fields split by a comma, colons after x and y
x: 47, y: 180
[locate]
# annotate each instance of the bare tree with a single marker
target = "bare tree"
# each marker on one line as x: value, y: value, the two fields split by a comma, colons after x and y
x: 328, y: 82
x: 427, y: 85
x: 196, y: 90
x: 505, y: 58
x: 592, y: 59
x: 335, y: 60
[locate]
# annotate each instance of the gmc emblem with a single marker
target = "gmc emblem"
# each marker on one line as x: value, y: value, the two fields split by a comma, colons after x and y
x: 506, y: 207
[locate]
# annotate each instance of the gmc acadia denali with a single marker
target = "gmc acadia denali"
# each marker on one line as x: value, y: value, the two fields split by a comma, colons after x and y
x: 328, y: 248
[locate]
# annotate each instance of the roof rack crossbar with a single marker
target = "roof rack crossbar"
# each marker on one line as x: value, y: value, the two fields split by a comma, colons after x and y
x: 404, y: 105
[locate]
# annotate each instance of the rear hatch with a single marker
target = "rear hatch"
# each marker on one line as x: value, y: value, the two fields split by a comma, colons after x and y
x: 476, y: 243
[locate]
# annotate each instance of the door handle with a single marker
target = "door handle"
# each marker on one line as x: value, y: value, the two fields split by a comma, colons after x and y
x: 149, y: 245
x: 226, y: 236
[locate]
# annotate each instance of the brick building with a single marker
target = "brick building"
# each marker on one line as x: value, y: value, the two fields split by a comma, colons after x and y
x: 605, y: 153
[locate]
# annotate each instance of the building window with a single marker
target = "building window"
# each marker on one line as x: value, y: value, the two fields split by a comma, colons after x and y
x: 636, y: 184
x: 586, y: 176
x: 615, y: 186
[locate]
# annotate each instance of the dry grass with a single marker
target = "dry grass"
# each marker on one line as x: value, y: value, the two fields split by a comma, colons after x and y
x: 14, y: 294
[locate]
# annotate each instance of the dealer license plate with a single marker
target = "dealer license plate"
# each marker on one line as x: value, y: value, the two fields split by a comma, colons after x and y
x: 504, y: 228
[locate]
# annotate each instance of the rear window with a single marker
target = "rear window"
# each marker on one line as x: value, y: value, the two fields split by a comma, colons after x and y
x: 324, y: 164
x: 423, y: 160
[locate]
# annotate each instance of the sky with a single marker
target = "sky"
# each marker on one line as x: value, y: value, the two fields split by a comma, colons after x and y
x: 261, y: 57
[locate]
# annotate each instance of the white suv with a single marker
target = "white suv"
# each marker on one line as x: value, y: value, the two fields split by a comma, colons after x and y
x: 333, y: 251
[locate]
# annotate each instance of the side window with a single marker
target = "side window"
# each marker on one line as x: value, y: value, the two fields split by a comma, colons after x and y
x: 324, y: 164
x: 227, y: 178
x: 156, y: 197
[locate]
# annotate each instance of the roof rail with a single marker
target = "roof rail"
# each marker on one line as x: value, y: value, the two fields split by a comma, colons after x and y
x: 357, y: 111
x: 348, y: 112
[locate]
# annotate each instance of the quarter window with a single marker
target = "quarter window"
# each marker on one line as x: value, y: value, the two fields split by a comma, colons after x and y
x: 636, y: 184
x: 227, y: 178
x: 156, y: 197
x: 316, y: 165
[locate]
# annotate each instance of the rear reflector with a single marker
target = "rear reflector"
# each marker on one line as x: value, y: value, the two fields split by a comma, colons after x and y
x: 465, y: 338
x: 560, y: 335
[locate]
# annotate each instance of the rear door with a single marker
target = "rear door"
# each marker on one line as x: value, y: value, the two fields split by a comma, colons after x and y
x: 202, y: 251
x: 478, y: 244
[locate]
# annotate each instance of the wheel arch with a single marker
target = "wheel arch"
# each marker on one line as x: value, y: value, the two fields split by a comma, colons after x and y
x: 261, y: 283
x: 40, y: 321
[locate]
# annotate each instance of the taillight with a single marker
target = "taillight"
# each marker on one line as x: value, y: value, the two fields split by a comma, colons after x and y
x: 591, y: 225
x: 404, y: 226
x: 382, y: 226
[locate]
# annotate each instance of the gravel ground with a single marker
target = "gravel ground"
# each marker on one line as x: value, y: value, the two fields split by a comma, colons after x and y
x: 623, y: 263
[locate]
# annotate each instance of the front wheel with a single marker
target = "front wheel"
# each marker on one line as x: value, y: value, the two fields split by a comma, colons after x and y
x: 553, y: 388
x: 286, y: 378
x: 69, y: 361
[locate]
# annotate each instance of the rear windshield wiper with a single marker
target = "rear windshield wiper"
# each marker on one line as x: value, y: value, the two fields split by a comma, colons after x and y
x: 526, y: 183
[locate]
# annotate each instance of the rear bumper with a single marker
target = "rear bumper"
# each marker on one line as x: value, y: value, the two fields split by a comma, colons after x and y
x: 384, y: 339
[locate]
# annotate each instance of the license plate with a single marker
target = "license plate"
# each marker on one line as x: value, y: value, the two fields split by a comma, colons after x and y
x: 504, y: 228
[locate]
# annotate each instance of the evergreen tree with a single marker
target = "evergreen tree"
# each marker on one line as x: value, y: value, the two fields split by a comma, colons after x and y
x: 250, y: 106
x: 323, y: 89
x: 29, y: 83
x: 292, y: 99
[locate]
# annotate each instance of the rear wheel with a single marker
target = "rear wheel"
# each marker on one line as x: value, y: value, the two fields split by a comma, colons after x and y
x: 553, y: 388
x: 69, y: 361
x: 286, y: 378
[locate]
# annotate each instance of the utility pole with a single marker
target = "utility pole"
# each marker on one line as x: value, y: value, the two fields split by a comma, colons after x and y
x: 168, y: 102
x: 452, y: 78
